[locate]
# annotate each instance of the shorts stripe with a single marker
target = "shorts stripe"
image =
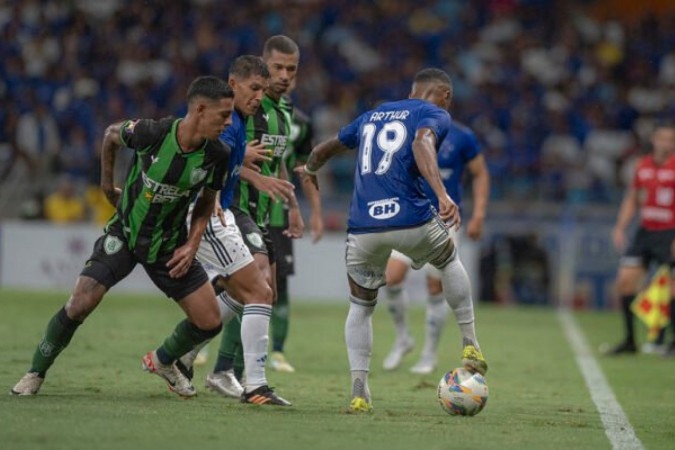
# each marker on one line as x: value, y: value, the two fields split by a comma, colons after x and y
x: 219, y: 250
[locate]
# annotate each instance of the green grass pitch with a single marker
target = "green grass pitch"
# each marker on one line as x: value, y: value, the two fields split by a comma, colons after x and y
x: 97, y: 397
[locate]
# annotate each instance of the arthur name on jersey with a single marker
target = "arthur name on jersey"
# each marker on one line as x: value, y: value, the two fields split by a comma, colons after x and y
x: 389, y: 115
x: 162, y: 193
x: 276, y: 142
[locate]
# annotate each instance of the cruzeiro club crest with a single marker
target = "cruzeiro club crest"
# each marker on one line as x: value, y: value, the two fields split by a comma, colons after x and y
x: 255, y: 239
x: 112, y: 244
x: 197, y: 175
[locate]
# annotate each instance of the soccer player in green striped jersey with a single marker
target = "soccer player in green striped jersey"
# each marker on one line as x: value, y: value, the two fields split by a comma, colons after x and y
x: 271, y: 127
x: 175, y: 160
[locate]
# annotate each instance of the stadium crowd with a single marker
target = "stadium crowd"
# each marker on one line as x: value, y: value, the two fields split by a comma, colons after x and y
x: 562, y: 102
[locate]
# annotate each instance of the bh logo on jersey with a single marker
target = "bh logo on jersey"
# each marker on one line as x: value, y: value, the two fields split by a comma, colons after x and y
x: 384, y: 209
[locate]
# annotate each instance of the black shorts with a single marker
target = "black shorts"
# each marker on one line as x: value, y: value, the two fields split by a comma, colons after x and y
x: 111, y: 261
x: 256, y: 238
x: 650, y: 247
x: 283, y: 246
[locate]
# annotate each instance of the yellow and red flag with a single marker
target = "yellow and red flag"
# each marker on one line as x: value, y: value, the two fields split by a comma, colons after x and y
x: 652, y: 305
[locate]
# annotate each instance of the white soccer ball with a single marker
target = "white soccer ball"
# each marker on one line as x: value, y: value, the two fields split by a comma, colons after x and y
x: 462, y: 392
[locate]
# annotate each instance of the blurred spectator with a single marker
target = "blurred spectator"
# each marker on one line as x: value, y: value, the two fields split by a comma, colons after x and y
x: 98, y: 205
x: 38, y: 140
x: 64, y: 205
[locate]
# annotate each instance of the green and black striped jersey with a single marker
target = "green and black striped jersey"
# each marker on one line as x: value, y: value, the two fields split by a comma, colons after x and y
x: 271, y: 126
x: 161, y: 183
x: 301, y: 137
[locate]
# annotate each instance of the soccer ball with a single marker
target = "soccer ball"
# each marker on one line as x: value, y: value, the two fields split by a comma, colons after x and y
x: 462, y: 392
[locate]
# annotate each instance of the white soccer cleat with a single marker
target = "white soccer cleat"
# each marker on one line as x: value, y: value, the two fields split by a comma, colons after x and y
x: 279, y: 363
x: 29, y: 384
x: 425, y: 366
x: 401, y: 348
x: 176, y: 381
x: 225, y: 383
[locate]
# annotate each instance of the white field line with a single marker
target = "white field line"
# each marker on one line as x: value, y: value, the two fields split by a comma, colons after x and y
x: 618, y: 429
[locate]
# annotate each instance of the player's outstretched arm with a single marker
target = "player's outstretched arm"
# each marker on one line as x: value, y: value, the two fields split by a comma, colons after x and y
x: 111, y: 145
x: 319, y: 156
x: 272, y: 186
x: 480, y: 186
x: 424, y: 150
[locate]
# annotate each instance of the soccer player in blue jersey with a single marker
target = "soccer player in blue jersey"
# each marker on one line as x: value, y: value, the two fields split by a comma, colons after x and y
x: 397, y: 144
x: 459, y: 150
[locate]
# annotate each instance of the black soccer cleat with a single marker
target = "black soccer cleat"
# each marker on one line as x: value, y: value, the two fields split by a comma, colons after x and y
x: 624, y: 348
x: 264, y: 395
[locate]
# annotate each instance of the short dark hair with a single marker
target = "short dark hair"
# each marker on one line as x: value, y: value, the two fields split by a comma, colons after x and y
x: 213, y: 88
x: 282, y: 44
x: 246, y: 66
x: 432, y: 74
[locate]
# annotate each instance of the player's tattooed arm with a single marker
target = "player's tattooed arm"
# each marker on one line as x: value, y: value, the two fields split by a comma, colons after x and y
x: 111, y: 145
x: 320, y: 154
x: 424, y: 150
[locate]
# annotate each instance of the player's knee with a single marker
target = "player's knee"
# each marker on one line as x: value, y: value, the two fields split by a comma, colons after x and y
x: 361, y: 292
x: 81, y: 304
x: 626, y: 282
x: 448, y: 254
x: 209, y: 321
x: 259, y: 292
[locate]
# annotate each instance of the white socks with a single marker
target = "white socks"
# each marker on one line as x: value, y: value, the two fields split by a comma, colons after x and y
x: 457, y: 290
x: 359, y: 338
x: 437, y: 315
x: 255, y: 338
x: 229, y: 307
x: 397, y: 304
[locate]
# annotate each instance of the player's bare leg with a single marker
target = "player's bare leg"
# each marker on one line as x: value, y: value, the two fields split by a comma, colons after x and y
x: 86, y: 296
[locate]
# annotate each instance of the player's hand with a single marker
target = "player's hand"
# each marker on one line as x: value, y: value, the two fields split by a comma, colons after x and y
x: 296, y: 225
x: 316, y: 225
x: 619, y: 239
x: 256, y: 153
x: 305, y: 177
x: 218, y: 212
x: 475, y: 228
x: 181, y: 261
x: 274, y: 187
x: 449, y: 212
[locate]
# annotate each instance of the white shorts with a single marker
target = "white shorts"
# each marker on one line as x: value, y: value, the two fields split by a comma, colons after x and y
x: 222, y: 250
x: 367, y: 254
x: 430, y: 270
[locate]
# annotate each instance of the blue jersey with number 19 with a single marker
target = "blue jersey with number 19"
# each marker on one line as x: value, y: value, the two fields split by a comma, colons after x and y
x: 388, y: 185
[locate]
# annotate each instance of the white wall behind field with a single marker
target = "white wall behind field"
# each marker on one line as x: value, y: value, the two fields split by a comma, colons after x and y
x: 45, y: 256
